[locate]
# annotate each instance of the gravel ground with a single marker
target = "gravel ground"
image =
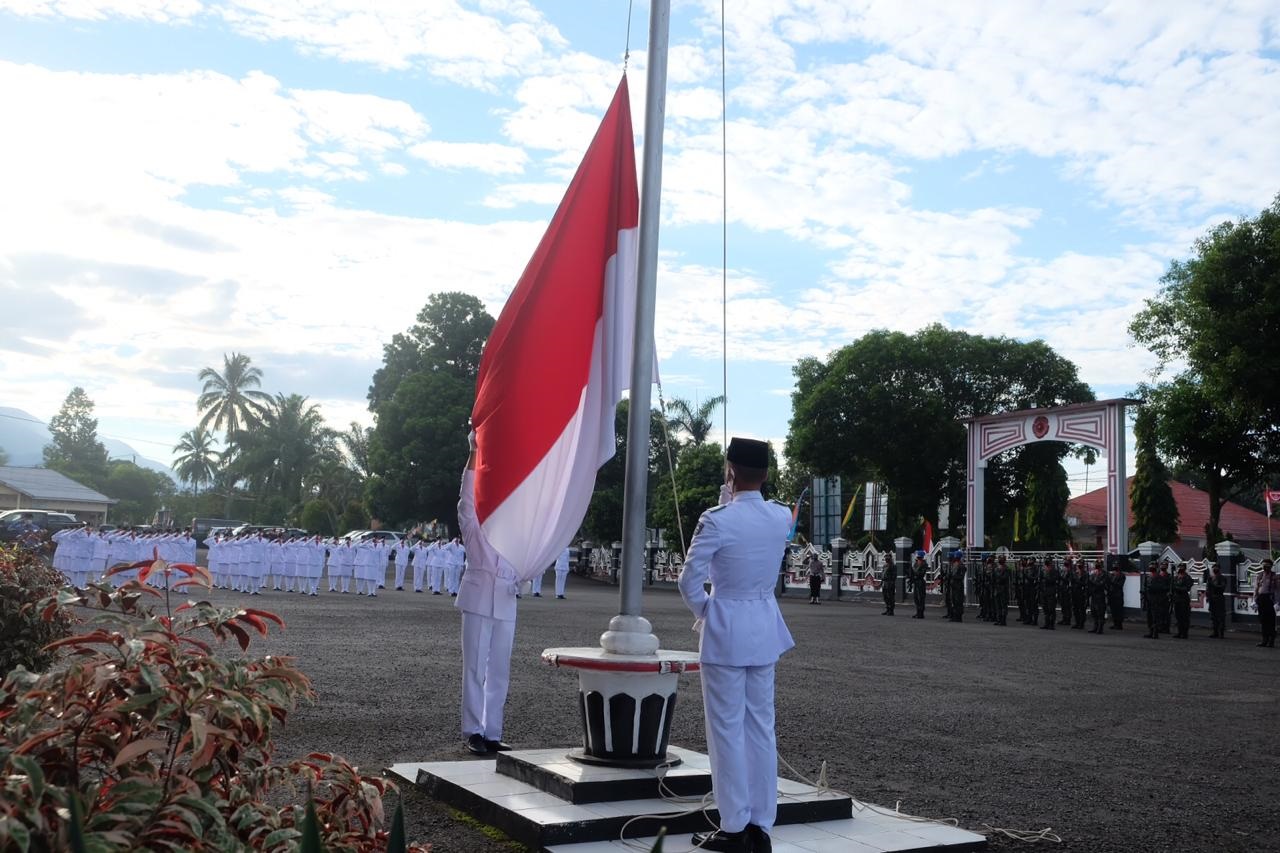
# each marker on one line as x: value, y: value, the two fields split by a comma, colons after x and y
x: 1117, y: 743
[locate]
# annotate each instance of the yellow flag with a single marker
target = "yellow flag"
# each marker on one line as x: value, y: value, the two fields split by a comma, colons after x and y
x: 848, y: 513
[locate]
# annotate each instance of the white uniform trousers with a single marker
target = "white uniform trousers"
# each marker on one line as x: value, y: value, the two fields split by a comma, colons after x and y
x: 435, y: 577
x: 561, y: 577
x: 741, y: 744
x: 486, y: 673
x: 419, y: 571
x: 535, y: 584
x: 453, y: 577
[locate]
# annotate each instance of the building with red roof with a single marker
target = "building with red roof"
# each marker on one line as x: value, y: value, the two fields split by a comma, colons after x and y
x: 1087, y: 519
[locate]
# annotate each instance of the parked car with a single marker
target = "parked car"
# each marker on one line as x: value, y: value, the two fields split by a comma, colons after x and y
x: 13, y: 521
x: 391, y: 537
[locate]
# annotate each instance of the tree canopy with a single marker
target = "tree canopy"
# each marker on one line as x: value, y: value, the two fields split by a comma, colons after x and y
x: 74, y: 448
x: 1218, y: 416
x: 893, y: 405
x: 421, y: 398
x: 1155, y: 512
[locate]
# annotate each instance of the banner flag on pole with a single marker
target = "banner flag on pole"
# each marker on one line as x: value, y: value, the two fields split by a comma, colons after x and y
x: 848, y: 513
x: 928, y: 536
x: 795, y: 515
x: 1271, y: 496
x: 559, y: 359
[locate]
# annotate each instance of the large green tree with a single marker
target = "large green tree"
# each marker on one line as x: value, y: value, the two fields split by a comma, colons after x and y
x: 1047, y: 496
x: 1218, y: 415
x: 1218, y: 312
x: 603, y: 521
x: 699, y: 473
x: 74, y: 448
x: 197, y: 460
x: 449, y: 336
x: 421, y: 398
x: 893, y: 405
x: 1155, y: 512
x: 138, y: 492
x: 419, y: 448
x: 231, y: 400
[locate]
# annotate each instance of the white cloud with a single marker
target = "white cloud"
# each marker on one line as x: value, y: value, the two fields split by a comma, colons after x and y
x: 160, y: 11
x: 474, y: 48
x: 510, y: 195
x: 488, y: 157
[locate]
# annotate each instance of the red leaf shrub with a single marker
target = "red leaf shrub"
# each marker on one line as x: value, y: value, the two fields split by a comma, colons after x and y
x: 165, y: 745
x: 30, y: 617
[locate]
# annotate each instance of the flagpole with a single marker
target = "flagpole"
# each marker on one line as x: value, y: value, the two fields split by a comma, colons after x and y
x: 629, y: 632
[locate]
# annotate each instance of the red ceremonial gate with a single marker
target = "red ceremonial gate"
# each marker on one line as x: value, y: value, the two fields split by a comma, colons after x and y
x: 1098, y: 425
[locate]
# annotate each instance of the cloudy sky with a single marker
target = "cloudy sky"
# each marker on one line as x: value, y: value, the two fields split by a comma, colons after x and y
x: 184, y: 178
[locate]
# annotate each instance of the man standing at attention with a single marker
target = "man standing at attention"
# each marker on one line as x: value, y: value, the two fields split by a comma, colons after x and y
x: 738, y: 547
x: 487, y: 599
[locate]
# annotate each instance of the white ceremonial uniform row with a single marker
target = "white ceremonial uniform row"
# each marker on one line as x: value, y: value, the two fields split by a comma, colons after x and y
x: 420, y: 551
x: 487, y: 599
x: 562, y: 572
x: 739, y: 546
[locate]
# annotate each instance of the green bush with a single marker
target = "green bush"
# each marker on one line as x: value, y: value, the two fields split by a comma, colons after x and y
x: 157, y: 739
x: 25, y: 628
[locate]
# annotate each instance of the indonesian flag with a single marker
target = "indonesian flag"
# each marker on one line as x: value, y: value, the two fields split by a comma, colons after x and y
x: 559, y: 359
x: 1272, y: 496
x: 928, y: 536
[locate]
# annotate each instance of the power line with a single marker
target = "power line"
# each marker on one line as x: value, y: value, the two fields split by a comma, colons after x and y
x: 102, y: 434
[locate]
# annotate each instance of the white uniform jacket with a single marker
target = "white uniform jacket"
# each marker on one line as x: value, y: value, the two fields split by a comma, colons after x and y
x: 489, y: 585
x: 739, y: 547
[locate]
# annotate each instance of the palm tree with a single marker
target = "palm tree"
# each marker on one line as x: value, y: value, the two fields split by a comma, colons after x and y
x: 356, y: 442
x: 198, y: 462
x: 230, y: 399
x: 284, y: 448
x: 692, y: 419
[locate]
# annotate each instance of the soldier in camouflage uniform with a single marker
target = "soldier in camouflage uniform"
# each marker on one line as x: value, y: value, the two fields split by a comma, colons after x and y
x: 918, y: 576
x: 1181, y: 591
x: 1067, y: 572
x: 1115, y: 594
x: 889, y: 584
x: 1015, y: 581
x: 981, y: 578
x: 1215, y: 588
x: 1156, y: 600
x: 1050, y: 579
x: 1079, y: 595
x: 1098, y: 586
x: 955, y: 586
x: 944, y: 587
x: 1001, y: 577
x: 1031, y: 591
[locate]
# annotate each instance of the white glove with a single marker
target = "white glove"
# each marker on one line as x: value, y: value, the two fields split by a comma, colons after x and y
x: 726, y: 494
x: 697, y: 625
x: 471, y: 440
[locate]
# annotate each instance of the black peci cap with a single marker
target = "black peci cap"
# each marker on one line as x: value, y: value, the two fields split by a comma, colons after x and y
x: 748, y: 453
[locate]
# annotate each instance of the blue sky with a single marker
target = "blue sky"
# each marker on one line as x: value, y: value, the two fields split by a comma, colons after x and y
x: 184, y: 178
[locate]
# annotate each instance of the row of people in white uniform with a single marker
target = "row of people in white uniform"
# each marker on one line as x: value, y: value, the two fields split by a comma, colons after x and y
x: 83, y: 555
x: 250, y: 562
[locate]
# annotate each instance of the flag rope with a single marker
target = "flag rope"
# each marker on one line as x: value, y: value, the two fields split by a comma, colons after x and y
x: 724, y: 230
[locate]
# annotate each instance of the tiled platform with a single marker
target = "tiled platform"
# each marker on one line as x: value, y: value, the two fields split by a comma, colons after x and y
x: 869, y: 832
x: 549, y: 770
x: 527, y: 802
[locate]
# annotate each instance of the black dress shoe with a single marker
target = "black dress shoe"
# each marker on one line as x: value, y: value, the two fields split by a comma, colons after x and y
x: 760, y: 841
x: 726, y: 842
x: 477, y: 745
x: 497, y: 745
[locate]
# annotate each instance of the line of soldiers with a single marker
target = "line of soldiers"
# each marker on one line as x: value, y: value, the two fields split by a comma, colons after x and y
x: 1080, y: 592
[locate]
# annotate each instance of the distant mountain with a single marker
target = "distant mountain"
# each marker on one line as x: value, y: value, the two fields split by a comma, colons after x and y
x: 23, y: 437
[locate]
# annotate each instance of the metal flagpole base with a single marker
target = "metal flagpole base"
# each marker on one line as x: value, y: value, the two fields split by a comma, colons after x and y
x: 626, y: 703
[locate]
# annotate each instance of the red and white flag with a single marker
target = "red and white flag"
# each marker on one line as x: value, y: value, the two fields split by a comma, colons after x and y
x: 1272, y: 496
x: 559, y: 359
